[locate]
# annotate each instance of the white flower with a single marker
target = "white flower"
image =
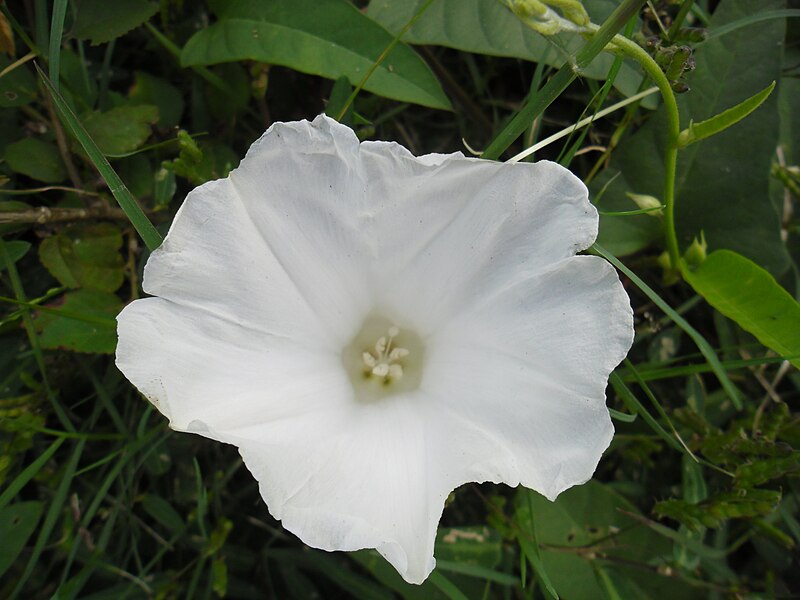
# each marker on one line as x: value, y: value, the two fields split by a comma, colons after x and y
x: 372, y: 330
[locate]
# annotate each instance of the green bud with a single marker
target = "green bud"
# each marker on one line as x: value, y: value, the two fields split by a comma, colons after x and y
x: 539, y: 16
x: 697, y: 252
x: 653, y: 206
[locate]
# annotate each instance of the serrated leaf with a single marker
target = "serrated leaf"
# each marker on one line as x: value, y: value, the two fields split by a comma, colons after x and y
x: 122, y: 129
x: 720, y: 122
x: 338, y: 40
x: 720, y: 508
x: 85, y: 256
x: 765, y: 469
x: 37, y: 159
x: 86, y: 323
x: 17, y: 523
x: 102, y: 21
x: 741, y: 290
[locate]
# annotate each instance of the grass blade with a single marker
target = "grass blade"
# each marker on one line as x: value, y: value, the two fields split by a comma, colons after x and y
x: 563, y: 77
x: 699, y: 340
x: 133, y: 211
x: 56, y: 31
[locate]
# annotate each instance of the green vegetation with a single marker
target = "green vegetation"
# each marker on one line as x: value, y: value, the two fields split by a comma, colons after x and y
x: 114, y: 109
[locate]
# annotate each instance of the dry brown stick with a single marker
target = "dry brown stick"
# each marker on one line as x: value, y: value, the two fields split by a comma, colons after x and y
x: 43, y: 215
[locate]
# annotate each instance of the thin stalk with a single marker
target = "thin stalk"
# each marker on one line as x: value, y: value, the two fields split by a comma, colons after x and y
x: 381, y: 58
x: 127, y: 202
x: 634, y: 51
x: 582, y: 123
x: 56, y: 31
x: 675, y: 28
x: 563, y: 77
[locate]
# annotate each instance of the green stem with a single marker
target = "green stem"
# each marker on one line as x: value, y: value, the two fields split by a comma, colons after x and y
x: 634, y: 51
x: 675, y: 28
x: 564, y: 76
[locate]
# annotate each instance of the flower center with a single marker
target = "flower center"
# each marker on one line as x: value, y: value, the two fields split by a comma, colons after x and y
x: 383, y: 359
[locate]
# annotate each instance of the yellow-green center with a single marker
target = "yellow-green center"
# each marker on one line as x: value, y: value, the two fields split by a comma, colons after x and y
x: 383, y: 359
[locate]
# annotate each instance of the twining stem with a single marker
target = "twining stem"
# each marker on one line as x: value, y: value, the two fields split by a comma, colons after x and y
x: 650, y: 66
x: 633, y: 50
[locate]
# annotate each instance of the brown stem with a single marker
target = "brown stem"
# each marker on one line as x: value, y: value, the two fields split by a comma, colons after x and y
x: 42, y: 215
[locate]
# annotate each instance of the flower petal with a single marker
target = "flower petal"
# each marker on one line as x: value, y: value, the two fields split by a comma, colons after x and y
x: 196, y: 367
x: 361, y: 483
x: 453, y: 228
x: 277, y: 245
x: 528, y: 369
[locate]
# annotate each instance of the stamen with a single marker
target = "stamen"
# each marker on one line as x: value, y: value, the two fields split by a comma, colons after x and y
x: 369, y: 360
x: 383, y: 362
x: 398, y: 353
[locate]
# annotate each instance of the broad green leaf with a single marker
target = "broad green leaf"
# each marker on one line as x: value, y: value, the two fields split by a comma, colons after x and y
x: 748, y: 294
x: 87, y: 323
x: 17, y: 523
x: 591, y: 515
x: 488, y: 27
x: 122, y: 129
x: 103, y: 20
x: 698, y: 131
x: 85, y: 256
x: 149, y: 89
x: 36, y: 159
x: 723, y: 181
x: 722, y: 186
x: 331, y: 38
x: 16, y: 250
x: 17, y: 87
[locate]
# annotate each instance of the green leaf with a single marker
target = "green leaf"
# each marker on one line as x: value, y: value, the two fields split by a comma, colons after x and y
x: 589, y: 515
x: 16, y: 250
x: 468, y: 546
x: 723, y: 181
x: 488, y: 27
x: 765, y: 469
x: 748, y: 294
x: 162, y: 511
x: 17, y: 87
x: 17, y: 523
x: 86, y: 256
x: 36, y: 159
x: 85, y: 324
x: 337, y: 41
x: 719, y: 508
x: 698, y: 131
x: 149, y: 89
x: 122, y: 129
x: 722, y: 186
x: 102, y: 21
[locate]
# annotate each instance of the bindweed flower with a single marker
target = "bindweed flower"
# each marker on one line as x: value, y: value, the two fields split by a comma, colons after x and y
x: 373, y: 329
